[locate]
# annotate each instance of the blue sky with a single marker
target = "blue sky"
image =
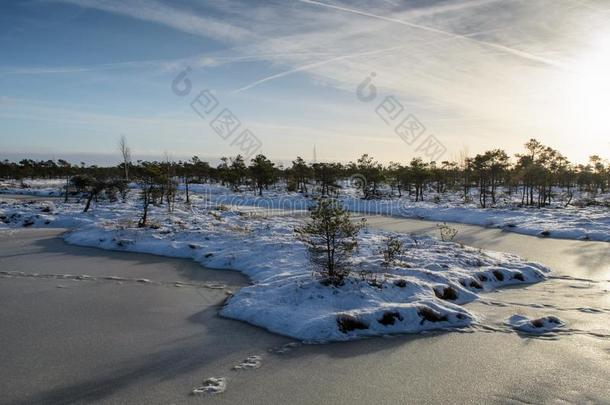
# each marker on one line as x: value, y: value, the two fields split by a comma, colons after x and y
x: 75, y: 75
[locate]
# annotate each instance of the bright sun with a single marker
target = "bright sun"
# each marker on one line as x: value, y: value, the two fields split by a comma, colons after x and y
x: 589, y: 89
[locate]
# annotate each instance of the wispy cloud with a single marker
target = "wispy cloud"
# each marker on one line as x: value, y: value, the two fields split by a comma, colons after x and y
x: 85, y: 68
x: 452, y: 7
x: 180, y: 19
x: 321, y: 63
x: 211, y: 59
x: 483, y: 69
x: 503, y: 48
x: 315, y: 65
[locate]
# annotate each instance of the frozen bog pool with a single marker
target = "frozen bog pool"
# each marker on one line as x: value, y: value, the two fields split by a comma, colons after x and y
x: 152, y: 342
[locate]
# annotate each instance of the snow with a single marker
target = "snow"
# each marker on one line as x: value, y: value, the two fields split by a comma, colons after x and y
x: 572, y: 222
x: 211, y: 386
x: 286, y: 348
x: 577, y: 221
x: 34, y: 187
x: 424, y: 289
x: 537, y: 326
x: 250, y: 363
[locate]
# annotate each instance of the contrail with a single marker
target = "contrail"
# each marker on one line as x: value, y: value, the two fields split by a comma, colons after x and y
x: 313, y: 65
x: 466, y: 37
x: 327, y: 61
x: 503, y: 48
x: 198, y: 61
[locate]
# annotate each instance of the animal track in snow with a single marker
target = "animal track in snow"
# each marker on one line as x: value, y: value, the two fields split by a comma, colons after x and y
x: 211, y: 386
x: 85, y: 277
x: 251, y: 362
x: 288, y: 347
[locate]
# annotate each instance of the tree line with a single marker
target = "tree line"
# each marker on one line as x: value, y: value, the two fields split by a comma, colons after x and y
x: 537, y: 177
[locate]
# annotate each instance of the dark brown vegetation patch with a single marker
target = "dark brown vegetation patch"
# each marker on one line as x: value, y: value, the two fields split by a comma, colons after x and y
x: 389, y: 318
x: 539, y: 323
x: 446, y: 293
x: 347, y: 323
x: 430, y: 315
x: 518, y: 276
x: 400, y: 283
x: 498, y: 275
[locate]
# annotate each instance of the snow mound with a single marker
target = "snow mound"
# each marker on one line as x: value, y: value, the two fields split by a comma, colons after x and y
x: 542, y: 325
x: 15, y: 213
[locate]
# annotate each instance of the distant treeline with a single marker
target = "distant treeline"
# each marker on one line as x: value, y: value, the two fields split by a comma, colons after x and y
x: 535, y: 175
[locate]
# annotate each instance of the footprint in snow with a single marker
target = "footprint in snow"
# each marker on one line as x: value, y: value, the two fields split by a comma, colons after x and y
x: 581, y: 286
x: 211, y: 386
x: 285, y: 348
x: 588, y: 310
x: 250, y: 363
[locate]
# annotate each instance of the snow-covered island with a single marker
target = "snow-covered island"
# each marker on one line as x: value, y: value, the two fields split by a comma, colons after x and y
x: 422, y: 287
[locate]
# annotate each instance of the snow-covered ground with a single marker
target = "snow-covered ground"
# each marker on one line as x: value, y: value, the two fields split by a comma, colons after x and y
x: 576, y: 221
x: 422, y: 290
x: 42, y: 187
x: 558, y: 221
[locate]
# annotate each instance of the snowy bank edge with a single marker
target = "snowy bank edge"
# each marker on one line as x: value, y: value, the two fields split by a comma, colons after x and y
x: 501, y: 218
x: 408, y: 317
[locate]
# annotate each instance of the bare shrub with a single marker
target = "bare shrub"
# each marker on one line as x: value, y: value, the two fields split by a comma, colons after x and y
x: 391, y: 250
x: 448, y: 233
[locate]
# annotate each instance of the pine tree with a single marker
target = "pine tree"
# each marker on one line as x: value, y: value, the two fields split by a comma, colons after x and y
x: 330, y: 237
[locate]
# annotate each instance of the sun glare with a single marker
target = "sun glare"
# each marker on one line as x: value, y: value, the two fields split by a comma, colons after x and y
x: 588, y: 93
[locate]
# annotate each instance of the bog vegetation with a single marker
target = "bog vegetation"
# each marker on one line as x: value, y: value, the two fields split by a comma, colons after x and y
x: 536, y: 178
